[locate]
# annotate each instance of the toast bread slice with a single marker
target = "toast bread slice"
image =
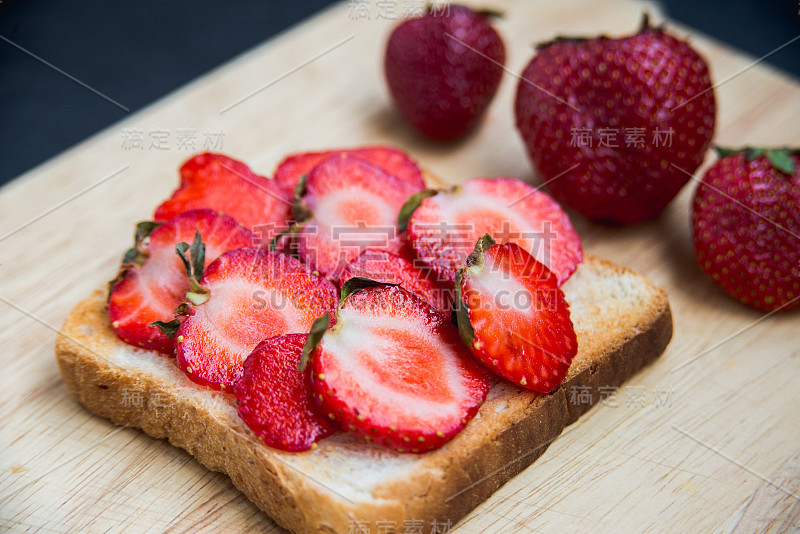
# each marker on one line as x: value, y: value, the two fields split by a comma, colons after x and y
x: 622, y: 322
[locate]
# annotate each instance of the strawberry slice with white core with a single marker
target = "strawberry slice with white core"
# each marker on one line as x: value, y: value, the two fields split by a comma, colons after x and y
x: 394, y: 371
x: 514, y: 317
x: 224, y: 184
x: 275, y: 397
x: 253, y: 294
x: 388, y: 159
x: 154, y: 283
x: 445, y: 226
x: 349, y: 206
x: 405, y: 270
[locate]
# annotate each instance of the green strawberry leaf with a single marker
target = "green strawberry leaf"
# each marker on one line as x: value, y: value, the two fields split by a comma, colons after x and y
x: 564, y: 39
x: 461, y: 312
x: 144, y: 229
x: 318, y: 329
x: 198, y: 253
x: 489, y: 13
x: 411, y: 206
x: 723, y: 152
x: 136, y: 255
x: 782, y: 160
x: 475, y: 259
x: 133, y: 256
x: 644, y: 26
x: 356, y: 284
x: 321, y: 324
x: 752, y: 153
x: 169, y: 328
x: 300, y: 210
x: 181, y: 249
x: 293, y: 229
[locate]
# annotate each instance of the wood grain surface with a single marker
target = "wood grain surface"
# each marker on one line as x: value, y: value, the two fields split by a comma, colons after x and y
x: 705, y: 440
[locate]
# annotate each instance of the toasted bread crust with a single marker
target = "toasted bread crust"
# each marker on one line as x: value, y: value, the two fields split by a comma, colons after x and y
x: 609, y: 366
x: 513, y: 428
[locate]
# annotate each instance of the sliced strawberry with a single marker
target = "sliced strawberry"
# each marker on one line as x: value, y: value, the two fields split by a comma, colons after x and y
x: 404, y: 270
x: 444, y: 227
x: 275, y: 398
x: 224, y: 184
x: 393, y: 370
x: 348, y: 206
x: 515, y: 318
x: 254, y: 294
x: 153, y: 282
x: 388, y: 159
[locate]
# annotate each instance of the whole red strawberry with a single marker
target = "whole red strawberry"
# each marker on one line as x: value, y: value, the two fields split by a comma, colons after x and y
x: 616, y: 127
x: 443, y: 69
x: 746, y: 219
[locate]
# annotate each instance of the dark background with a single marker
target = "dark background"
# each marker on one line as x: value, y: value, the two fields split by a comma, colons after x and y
x: 136, y: 52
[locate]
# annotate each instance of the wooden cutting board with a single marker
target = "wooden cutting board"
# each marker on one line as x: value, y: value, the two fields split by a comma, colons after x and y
x: 706, y: 439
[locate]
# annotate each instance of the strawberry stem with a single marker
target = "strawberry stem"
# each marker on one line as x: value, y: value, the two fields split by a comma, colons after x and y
x: 300, y: 210
x: 197, y: 253
x: 476, y: 257
x: 194, y: 265
x: 197, y: 297
x: 300, y: 188
x: 646, y: 26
